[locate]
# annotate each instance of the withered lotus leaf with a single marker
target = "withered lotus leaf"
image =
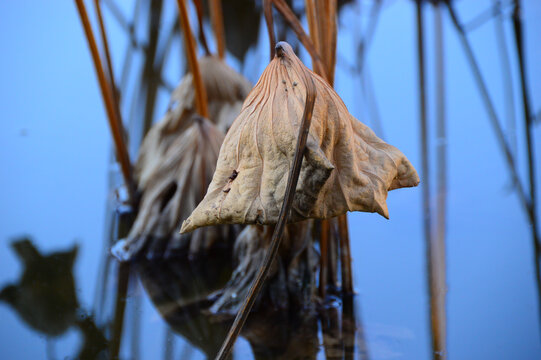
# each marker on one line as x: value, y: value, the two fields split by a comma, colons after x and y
x: 226, y: 90
x: 346, y: 167
x: 173, y: 191
x: 176, y: 162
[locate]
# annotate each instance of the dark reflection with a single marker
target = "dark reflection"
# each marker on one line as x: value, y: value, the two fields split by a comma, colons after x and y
x: 184, y: 290
x: 45, y: 297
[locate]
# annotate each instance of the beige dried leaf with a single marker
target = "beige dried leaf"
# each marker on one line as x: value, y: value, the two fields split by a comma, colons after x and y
x: 173, y: 191
x: 226, y: 90
x: 176, y: 161
x: 346, y: 166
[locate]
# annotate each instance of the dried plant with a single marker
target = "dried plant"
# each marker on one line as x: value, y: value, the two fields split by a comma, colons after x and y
x: 176, y: 162
x: 347, y: 167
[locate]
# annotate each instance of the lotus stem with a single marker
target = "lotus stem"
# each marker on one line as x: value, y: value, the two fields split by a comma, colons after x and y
x: 296, y: 26
x: 105, y: 43
x: 115, y: 123
x: 120, y: 307
x: 189, y: 42
x: 502, y: 142
x: 292, y: 180
x: 199, y: 11
x: 324, y: 257
x: 437, y: 261
x: 217, y: 17
x: 528, y: 126
x: 345, y: 255
x: 267, y: 11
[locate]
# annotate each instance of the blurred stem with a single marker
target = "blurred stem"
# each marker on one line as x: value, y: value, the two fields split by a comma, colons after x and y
x: 528, y: 123
x: 292, y: 180
x: 267, y: 11
x: 324, y: 257
x: 189, y: 42
x: 510, y: 160
x: 296, y: 26
x: 115, y: 122
x: 330, y: 31
x: 109, y: 63
x: 313, y: 25
x: 217, y: 17
x: 120, y: 307
x: 345, y: 255
x: 438, y: 285
x: 199, y: 11
x: 508, y: 91
x: 528, y: 126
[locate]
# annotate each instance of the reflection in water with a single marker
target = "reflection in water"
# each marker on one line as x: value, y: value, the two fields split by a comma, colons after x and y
x: 181, y: 289
x: 45, y: 296
x: 184, y: 290
x: 46, y: 300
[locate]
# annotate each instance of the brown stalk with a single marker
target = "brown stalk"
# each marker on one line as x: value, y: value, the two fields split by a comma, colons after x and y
x: 292, y: 180
x: 199, y: 11
x: 189, y: 42
x: 437, y: 263
x: 324, y: 257
x: 115, y: 122
x: 437, y: 325
x: 333, y: 253
x: 331, y: 31
x: 267, y: 10
x: 296, y: 26
x: 217, y: 18
x: 313, y: 25
x: 345, y: 255
x: 108, y: 61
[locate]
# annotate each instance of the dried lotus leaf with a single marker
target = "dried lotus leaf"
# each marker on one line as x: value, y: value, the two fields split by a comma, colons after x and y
x: 172, y: 192
x: 226, y: 90
x: 346, y: 166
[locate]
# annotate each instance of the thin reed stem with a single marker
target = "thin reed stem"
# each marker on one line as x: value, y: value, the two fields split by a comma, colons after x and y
x: 528, y: 126
x: 507, y: 79
x: 345, y: 255
x: 267, y: 11
x: 296, y: 26
x: 313, y: 25
x: 331, y: 31
x: 189, y: 43
x: 438, y: 285
x: 292, y: 180
x: 105, y: 43
x: 199, y: 11
x: 500, y: 136
x: 115, y: 122
x: 217, y: 18
x: 324, y: 257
